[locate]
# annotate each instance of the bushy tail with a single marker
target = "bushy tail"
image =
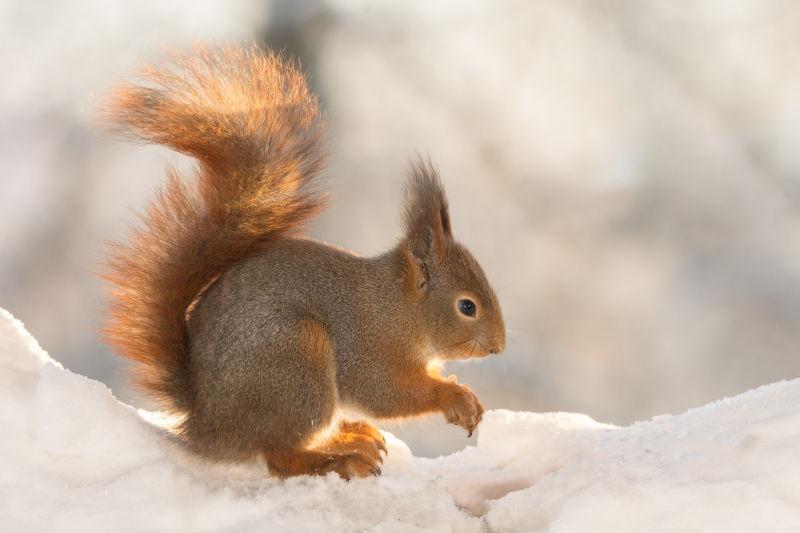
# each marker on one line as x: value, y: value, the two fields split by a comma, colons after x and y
x: 254, y: 128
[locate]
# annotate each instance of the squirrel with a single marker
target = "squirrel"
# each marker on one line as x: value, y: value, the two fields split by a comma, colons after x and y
x: 256, y: 335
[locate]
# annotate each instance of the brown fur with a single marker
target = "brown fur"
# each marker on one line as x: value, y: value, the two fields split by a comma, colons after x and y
x: 313, y: 340
x: 282, y: 331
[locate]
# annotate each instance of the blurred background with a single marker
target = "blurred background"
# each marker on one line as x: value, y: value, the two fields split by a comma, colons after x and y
x: 628, y: 174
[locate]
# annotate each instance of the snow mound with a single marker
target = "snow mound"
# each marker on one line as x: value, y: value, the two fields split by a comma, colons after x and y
x: 76, y: 459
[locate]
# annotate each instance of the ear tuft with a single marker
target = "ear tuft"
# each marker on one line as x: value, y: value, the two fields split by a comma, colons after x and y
x: 444, y: 217
x: 426, y: 215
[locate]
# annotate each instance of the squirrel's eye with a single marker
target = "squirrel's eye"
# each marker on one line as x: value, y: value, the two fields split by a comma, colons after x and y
x: 466, y: 307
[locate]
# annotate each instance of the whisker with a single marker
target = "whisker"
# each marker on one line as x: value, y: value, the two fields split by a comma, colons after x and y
x: 474, y: 347
x: 439, y: 350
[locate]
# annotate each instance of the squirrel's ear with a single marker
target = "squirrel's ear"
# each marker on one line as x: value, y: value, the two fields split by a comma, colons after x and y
x: 414, y: 271
x: 426, y: 217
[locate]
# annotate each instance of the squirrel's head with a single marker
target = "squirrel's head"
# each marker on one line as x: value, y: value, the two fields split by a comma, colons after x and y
x: 452, y: 296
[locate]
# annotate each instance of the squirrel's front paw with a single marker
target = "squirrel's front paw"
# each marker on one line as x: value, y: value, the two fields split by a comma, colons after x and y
x: 462, y: 408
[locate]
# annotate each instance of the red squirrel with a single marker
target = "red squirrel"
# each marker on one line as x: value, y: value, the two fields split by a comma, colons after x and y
x: 257, y: 336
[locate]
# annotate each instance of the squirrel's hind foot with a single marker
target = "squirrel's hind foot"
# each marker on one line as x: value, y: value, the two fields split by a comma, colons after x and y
x: 365, y: 430
x: 350, y: 455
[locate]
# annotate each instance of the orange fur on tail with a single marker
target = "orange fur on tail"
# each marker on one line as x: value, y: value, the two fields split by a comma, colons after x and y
x: 253, y: 127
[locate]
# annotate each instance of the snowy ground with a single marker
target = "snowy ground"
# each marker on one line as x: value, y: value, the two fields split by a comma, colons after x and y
x: 76, y: 459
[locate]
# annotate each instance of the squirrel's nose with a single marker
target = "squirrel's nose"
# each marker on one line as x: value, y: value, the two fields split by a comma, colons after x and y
x: 499, y: 344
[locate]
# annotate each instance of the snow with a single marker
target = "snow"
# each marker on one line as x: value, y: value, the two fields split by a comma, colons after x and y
x: 76, y: 459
